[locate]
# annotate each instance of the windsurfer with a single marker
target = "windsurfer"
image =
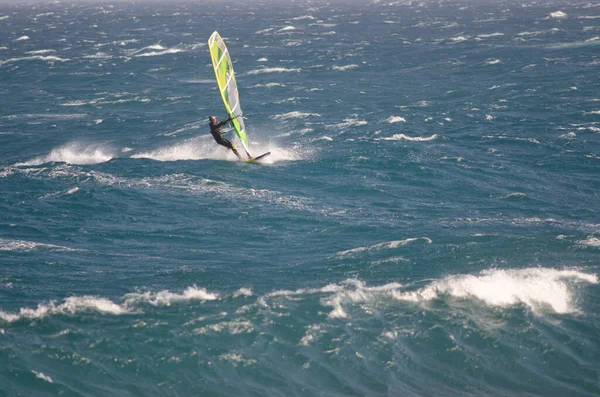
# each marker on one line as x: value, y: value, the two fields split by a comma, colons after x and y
x: 215, y: 130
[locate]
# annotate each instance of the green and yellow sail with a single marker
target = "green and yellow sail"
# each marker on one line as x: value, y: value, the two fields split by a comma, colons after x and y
x: 221, y: 62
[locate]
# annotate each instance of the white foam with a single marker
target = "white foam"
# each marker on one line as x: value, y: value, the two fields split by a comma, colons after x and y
x: 237, y: 359
x: 73, y: 153
x: 313, y: 332
x: 49, y: 58
x: 345, y: 67
x: 348, y: 123
x: 268, y: 85
x: 159, y: 53
x: 264, y: 31
x: 492, y: 61
x: 504, y: 137
x: 528, y: 33
x: 24, y: 246
x: 70, y: 306
x: 287, y: 29
x: 459, y: 39
x: 303, y: 17
x: 402, y: 137
x: 487, y: 36
x: 242, y: 292
x: 272, y: 70
x: 537, y: 288
x: 166, y: 298
x: 294, y: 115
x: 381, y: 246
x: 43, y: 377
x: 262, y: 59
x: 568, y: 135
x: 193, y: 149
x: 590, y: 242
x: 40, y: 52
x: 557, y: 15
x: 22, y: 38
x: 396, y: 119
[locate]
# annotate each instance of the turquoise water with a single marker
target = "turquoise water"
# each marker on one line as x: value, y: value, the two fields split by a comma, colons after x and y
x: 427, y: 223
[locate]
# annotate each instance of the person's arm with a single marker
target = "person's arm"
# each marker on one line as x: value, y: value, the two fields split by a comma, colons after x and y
x: 222, y: 123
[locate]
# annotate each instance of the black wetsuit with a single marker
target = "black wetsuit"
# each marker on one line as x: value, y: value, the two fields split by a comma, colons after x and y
x: 215, y: 130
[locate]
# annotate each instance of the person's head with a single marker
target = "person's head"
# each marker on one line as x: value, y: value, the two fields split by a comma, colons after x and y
x: 212, y: 119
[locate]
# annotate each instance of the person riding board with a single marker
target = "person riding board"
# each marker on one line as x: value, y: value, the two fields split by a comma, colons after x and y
x: 215, y: 130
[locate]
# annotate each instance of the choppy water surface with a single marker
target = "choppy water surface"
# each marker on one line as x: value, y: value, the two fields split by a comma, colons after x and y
x: 427, y: 224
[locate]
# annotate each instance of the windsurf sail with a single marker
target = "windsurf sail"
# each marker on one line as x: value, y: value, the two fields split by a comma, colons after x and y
x: 221, y: 61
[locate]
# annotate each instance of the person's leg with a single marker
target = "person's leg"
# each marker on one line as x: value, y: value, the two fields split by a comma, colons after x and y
x: 231, y: 146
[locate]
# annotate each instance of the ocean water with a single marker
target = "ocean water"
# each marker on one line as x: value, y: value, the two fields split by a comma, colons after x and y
x: 428, y: 223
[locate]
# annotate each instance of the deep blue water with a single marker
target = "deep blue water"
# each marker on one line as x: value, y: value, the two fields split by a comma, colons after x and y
x: 428, y: 222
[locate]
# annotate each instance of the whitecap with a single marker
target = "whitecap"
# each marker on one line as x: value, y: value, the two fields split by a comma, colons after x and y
x: 73, y: 153
x: 381, y: 246
x: 166, y: 297
x: 348, y: 123
x: 345, y: 67
x: 590, y: 242
x: 39, y: 52
x: 49, y: 58
x: 294, y: 115
x: 70, y: 306
x: 537, y: 288
x: 395, y: 119
x: 557, y: 15
x: 402, y: 137
x: 303, y: 17
x: 43, y: 377
x: 25, y: 246
x: 272, y: 70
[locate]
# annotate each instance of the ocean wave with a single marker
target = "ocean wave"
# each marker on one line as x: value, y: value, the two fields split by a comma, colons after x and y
x: 273, y: 70
x: 381, y: 246
x: 24, y: 246
x: 71, y: 305
x: 22, y: 38
x: 73, y: 153
x: 557, y: 15
x: 39, y: 52
x: 345, y: 67
x: 540, y: 289
x: 537, y: 288
x: 590, y: 242
x: 166, y: 298
x: 348, y: 123
x: 49, y: 58
x: 395, y: 119
x: 268, y: 85
x: 287, y: 29
x: 487, y: 36
x: 402, y: 137
x: 517, y: 139
x: 294, y: 115
x: 43, y: 377
x: 303, y: 17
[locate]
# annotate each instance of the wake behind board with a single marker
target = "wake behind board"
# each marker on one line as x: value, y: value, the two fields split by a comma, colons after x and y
x: 253, y: 159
